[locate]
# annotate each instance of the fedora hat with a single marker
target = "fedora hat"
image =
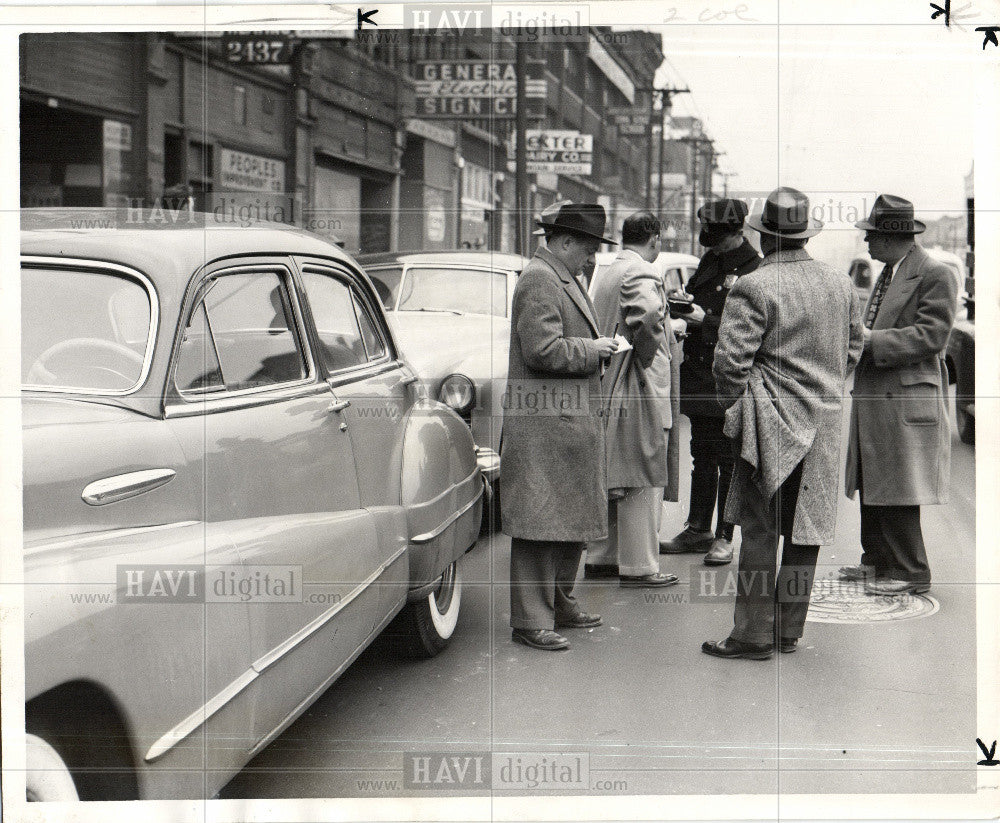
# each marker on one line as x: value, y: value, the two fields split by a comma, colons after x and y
x: 786, y: 214
x: 891, y: 215
x: 583, y: 219
x: 728, y: 212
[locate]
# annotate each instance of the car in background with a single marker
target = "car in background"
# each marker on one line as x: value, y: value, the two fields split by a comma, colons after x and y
x: 960, y: 354
x: 230, y: 489
x: 451, y: 313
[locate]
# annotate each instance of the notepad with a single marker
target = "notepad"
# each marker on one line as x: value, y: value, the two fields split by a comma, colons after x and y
x: 623, y: 344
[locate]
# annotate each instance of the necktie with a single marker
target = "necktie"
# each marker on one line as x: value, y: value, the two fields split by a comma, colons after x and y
x: 879, y: 292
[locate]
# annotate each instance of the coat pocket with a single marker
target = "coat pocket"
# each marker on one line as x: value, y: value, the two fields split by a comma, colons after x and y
x: 921, y: 402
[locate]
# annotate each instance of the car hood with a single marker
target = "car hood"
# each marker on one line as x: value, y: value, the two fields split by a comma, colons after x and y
x: 439, y: 344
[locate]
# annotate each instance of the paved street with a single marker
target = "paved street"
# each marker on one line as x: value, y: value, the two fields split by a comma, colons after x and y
x: 646, y: 710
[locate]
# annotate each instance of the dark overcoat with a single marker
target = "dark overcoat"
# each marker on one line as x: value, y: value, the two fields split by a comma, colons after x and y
x: 630, y: 300
x: 552, y: 461
x: 899, y: 420
x: 791, y: 332
x: 709, y: 286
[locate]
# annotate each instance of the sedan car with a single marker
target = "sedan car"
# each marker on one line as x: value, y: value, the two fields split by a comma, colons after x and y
x: 451, y: 311
x: 231, y: 488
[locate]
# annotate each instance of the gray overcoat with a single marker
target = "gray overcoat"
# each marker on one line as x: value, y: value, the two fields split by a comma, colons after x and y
x: 552, y: 458
x: 793, y: 326
x: 630, y: 299
x: 899, y: 420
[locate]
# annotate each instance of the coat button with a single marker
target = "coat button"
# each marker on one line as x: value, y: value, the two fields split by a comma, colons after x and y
x: 642, y: 384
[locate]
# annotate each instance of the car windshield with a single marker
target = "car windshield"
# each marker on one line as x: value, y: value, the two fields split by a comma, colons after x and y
x: 455, y: 290
x: 83, y: 331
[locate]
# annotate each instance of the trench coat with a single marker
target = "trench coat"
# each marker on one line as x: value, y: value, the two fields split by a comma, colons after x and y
x: 630, y: 299
x: 899, y: 421
x: 552, y: 466
x: 793, y: 328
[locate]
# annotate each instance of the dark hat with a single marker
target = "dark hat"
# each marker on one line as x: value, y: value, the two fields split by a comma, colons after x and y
x: 584, y: 219
x: 892, y: 215
x: 786, y: 214
x: 724, y: 213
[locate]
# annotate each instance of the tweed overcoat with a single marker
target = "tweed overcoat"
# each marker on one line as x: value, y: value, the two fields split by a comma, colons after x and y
x: 630, y: 299
x: 552, y: 467
x: 899, y: 420
x: 795, y: 324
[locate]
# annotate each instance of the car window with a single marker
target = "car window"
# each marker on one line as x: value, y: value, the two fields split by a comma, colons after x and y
x: 386, y: 282
x: 336, y: 320
x: 85, y: 331
x: 674, y: 279
x: 369, y: 331
x: 247, y: 317
x: 457, y: 290
x: 861, y: 274
x: 198, y: 367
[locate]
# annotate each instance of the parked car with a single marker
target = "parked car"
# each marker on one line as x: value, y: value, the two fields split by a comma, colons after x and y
x: 230, y: 489
x: 960, y: 354
x: 451, y: 313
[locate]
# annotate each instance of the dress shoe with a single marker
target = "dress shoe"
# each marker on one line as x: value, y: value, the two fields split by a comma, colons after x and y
x: 648, y: 581
x: 689, y: 540
x: 580, y: 620
x: 787, y: 645
x: 856, y: 572
x: 721, y: 552
x: 596, y: 571
x: 736, y: 649
x: 544, y: 639
x: 889, y: 586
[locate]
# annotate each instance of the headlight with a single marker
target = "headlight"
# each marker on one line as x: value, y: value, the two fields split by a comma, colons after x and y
x: 457, y: 392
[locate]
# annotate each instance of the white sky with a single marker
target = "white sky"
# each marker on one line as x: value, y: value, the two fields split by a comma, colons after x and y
x: 841, y: 112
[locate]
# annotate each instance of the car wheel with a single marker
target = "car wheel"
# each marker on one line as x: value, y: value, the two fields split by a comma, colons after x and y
x: 433, y: 619
x: 46, y: 775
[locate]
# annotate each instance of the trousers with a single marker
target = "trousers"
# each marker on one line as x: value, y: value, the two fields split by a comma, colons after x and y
x: 633, y: 543
x: 892, y: 541
x: 542, y: 577
x: 768, y: 597
x: 712, y: 471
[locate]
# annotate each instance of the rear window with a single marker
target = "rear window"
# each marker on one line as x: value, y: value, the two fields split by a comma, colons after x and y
x: 84, y: 331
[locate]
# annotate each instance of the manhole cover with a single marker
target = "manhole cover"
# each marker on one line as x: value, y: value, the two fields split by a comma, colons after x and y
x: 842, y: 601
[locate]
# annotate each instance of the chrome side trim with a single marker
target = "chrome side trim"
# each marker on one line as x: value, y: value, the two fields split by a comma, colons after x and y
x: 45, y: 261
x: 426, y: 537
x: 200, y: 716
x: 123, y: 486
x: 279, y: 651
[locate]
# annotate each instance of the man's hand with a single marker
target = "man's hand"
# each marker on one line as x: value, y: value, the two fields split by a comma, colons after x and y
x: 696, y: 316
x: 867, y: 336
x: 606, y: 346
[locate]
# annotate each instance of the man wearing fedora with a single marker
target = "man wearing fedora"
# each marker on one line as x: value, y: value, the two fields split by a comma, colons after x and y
x: 729, y: 257
x: 552, y: 461
x: 630, y: 298
x: 899, y: 450
x: 791, y: 334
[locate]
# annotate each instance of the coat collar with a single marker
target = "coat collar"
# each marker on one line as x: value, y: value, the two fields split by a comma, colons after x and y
x: 905, y: 277
x: 713, y: 264
x: 785, y: 256
x: 572, y: 287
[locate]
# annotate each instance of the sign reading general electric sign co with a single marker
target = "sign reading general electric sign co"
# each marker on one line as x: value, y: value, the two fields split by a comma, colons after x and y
x: 473, y: 88
x: 250, y: 172
x: 559, y: 152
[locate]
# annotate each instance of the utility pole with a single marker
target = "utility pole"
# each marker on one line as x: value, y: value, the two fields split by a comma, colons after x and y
x: 649, y: 148
x: 666, y: 103
x: 521, y: 149
x: 696, y: 142
x: 725, y: 181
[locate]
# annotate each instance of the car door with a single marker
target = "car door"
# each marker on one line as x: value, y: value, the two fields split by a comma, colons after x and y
x: 280, y: 474
x: 375, y: 391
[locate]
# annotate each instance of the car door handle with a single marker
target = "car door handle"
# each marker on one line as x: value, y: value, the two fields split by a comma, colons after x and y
x: 338, y: 405
x: 407, y: 381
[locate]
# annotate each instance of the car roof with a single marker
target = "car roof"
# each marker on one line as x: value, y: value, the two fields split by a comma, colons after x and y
x: 153, y: 243
x: 503, y: 260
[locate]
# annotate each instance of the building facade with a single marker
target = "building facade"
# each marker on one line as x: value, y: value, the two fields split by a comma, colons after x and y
x: 330, y: 140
